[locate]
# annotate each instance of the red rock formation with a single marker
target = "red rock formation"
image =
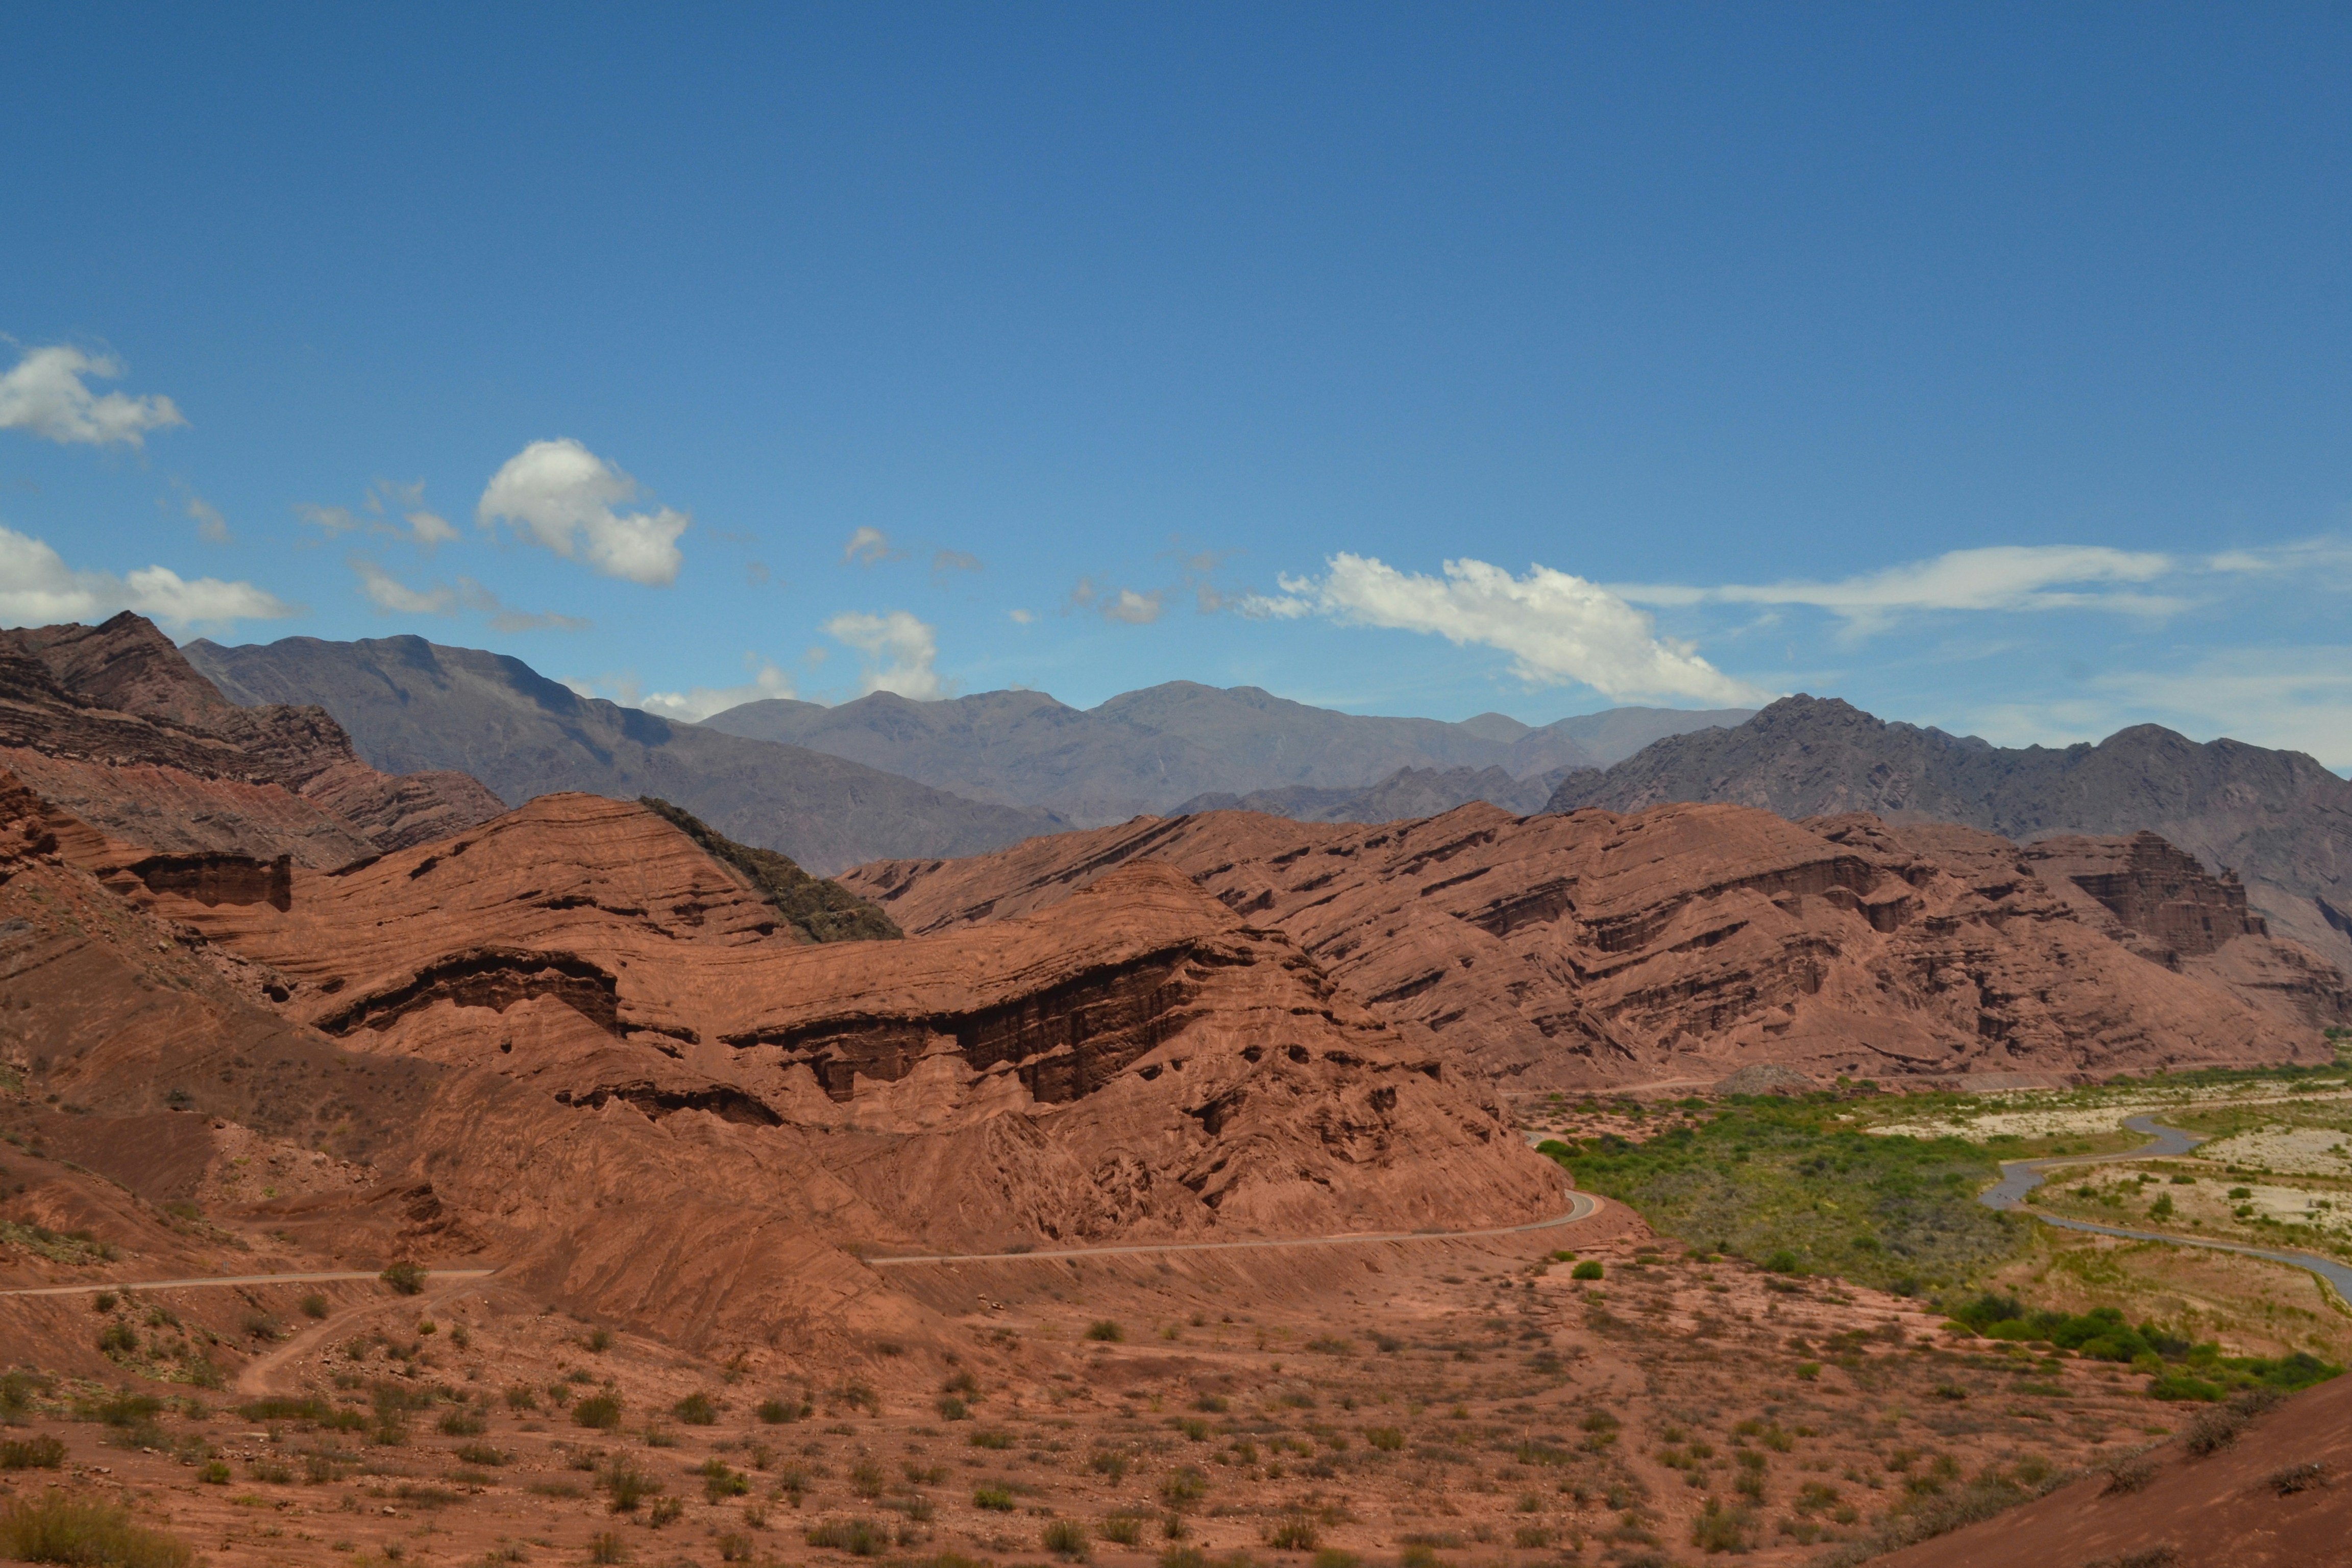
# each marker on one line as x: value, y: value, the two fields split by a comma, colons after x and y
x: 1681, y: 942
x: 113, y: 724
x: 2160, y: 902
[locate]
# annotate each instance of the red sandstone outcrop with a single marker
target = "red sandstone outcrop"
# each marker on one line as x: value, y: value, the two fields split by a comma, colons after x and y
x: 571, y: 1040
x: 2161, y: 902
x: 110, y: 722
x: 1683, y: 941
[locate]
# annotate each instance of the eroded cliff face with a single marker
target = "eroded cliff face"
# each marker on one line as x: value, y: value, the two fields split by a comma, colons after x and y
x: 1681, y: 942
x: 112, y: 723
x: 570, y: 1041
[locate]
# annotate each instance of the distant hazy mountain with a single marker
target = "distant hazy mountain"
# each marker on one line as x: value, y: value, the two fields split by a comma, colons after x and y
x: 2278, y: 818
x: 524, y: 735
x: 1159, y: 749
x: 1406, y: 792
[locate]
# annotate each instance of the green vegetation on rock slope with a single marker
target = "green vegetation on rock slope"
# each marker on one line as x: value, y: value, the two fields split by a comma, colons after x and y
x: 827, y: 911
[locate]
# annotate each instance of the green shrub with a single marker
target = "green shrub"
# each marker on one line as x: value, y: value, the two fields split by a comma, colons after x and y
x: 56, y: 1528
x: 1105, y: 1330
x: 720, y: 1483
x: 314, y: 1306
x: 776, y: 1412
x: 1589, y: 1269
x: 859, y: 1537
x: 481, y: 1453
x: 1063, y: 1538
x: 599, y: 1411
x: 988, y: 1437
x: 462, y: 1424
x: 1125, y: 1529
x: 33, y: 1454
x: 625, y: 1486
x: 214, y: 1473
x: 405, y: 1277
x: 1388, y: 1439
x: 695, y: 1410
x: 996, y: 1500
x: 1182, y: 1485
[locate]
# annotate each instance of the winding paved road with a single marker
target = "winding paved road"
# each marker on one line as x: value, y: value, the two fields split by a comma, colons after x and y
x: 87, y: 1287
x: 1581, y: 1207
x: 2018, y: 1177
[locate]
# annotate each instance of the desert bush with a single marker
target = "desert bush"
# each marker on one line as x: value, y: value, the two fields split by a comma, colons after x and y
x: 665, y: 1510
x: 720, y: 1483
x: 1103, y: 1328
x: 481, y: 1453
x: 734, y: 1546
x: 462, y: 1424
x: 1182, y: 1485
x: 866, y: 1479
x: 991, y: 1438
x: 859, y: 1537
x: 1292, y: 1533
x: 695, y: 1410
x: 1531, y: 1538
x: 1388, y: 1439
x: 625, y: 1486
x: 1109, y: 1463
x: 2128, y: 1475
x: 1589, y: 1269
x: 601, y: 1412
x: 405, y: 1277
x: 606, y: 1547
x: 56, y: 1528
x: 522, y: 1396
x: 1125, y: 1529
x: 777, y: 1411
x: 33, y: 1454
x: 314, y: 1306
x: 950, y: 1409
x: 996, y: 1500
x: 1063, y: 1538
x: 2297, y: 1478
x: 1183, y: 1557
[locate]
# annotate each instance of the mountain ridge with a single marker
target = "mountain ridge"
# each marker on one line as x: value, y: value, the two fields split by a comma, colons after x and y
x: 2280, y: 819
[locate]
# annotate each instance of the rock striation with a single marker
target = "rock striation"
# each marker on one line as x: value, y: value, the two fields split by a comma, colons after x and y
x: 110, y: 722
x: 1683, y: 942
x: 2279, y: 819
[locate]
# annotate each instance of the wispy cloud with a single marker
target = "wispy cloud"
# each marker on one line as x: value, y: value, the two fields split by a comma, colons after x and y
x: 2013, y: 577
x: 37, y: 588
x: 47, y: 394
x: 390, y: 595
x: 699, y: 702
x: 869, y: 547
x: 211, y: 526
x: 1559, y: 629
x: 564, y: 498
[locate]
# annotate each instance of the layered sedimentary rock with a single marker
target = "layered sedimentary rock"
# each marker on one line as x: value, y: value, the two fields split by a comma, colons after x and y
x: 2279, y: 818
x: 110, y: 722
x: 571, y: 1040
x: 1681, y: 942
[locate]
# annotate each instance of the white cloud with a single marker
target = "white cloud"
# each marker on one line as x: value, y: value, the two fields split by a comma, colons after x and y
x: 2011, y: 577
x: 2297, y: 698
x: 1132, y: 608
x: 900, y: 652
x: 561, y: 495
x: 700, y: 702
x: 44, y: 395
x: 868, y: 546
x: 1022, y: 618
x: 37, y: 588
x: 1557, y: 628
x: 946, y: 561
x: 329, y: 521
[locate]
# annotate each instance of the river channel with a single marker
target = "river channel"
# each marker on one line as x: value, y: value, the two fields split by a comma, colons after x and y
x: 2018, y: 1177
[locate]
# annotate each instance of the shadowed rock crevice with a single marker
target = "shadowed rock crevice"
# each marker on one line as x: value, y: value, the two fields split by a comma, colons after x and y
x: 497, y: 978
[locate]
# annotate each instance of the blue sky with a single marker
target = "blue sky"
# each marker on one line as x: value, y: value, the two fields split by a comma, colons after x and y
x: 1987, y: 367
